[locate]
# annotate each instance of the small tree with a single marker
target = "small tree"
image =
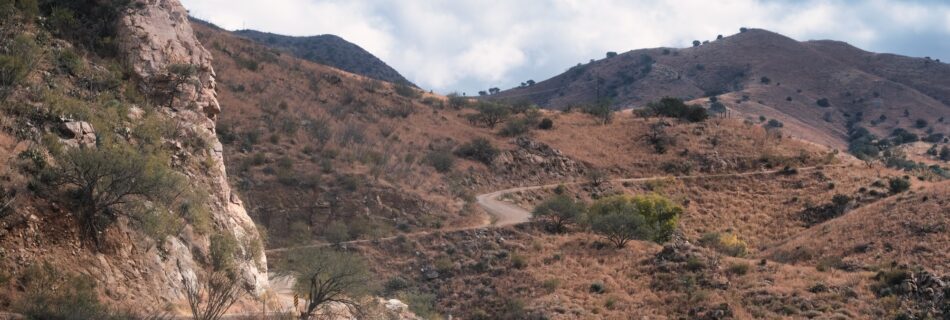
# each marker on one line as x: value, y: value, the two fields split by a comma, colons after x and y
x: 209, y: 297
x: 659, y: 138
x: 326, y: 276
x: 479, y: 149
x: 491, y: 113
x: 102, y: 180
x: 696, y: 43
x: 456, y: 101
x: 558, y: 211
x: 601, y: 110
x: 945, y: 153
x: 623, y: 218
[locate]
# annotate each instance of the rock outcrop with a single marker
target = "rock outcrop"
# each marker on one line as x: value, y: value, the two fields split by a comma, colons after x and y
x: 536, y: 161
x: 160, y: 47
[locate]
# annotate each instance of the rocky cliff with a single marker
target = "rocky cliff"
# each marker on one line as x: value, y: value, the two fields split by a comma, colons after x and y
x: 159, y: 46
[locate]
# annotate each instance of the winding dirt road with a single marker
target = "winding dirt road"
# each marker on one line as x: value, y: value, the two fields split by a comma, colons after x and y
x: 503, y: 213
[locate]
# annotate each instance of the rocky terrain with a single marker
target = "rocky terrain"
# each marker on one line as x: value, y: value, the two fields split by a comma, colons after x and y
x: 757, y: 72
x: 141, y: 153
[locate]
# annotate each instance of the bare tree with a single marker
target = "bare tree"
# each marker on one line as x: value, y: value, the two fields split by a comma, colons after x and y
x: 327, y: 277
x: 212, y: 295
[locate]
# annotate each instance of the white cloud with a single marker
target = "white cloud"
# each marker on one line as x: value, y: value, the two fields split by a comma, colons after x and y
x: 469, y: 45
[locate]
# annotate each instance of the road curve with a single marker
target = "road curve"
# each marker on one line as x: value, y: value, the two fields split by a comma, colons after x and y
x: 507, y: 214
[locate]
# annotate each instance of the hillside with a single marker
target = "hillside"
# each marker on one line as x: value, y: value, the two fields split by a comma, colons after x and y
x: 909, y: 229
x: 110, y: 185
x: 329, y: 50
x: 361, y: 153
x: 758, y: 72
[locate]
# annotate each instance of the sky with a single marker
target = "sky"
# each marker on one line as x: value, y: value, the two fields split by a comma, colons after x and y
x: 468, y: 45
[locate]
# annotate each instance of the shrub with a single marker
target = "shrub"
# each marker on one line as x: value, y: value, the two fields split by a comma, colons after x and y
x: 726, y: 243
x: 558, y: 211
x: 898, y: 185
x: 326, y: 276
x: 765, y: 80
x: 407, y: 91
x: 491, y: 113
x: 442, y: 161
x: 337, y: 232
x: 902, y: 136
x: 738, y: 268
x: 546, y: 124
x: 598, y: 287
x: 479, y: 149
x: 601, y: 110
x: 550, y: 285
x: 623, y: 218
x: 223, y: 249
x: 456, y: 101
x: 515, y: 127
x: 210, y: 296
x: 823, y: 102
x: 659, y: 138
x: 51, y: 294
x: 100, y: 181
x: 611, y: 54
x: 17, y: 63
x: 676, y: 108
x: 920, y: 123
x: 945, y: 153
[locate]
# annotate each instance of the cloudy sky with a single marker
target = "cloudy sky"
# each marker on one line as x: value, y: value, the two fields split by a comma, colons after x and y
x: 469, y: 45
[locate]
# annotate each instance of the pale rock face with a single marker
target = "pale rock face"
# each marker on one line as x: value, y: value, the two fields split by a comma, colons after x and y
x: 154, y: 35
x: 78, y: 134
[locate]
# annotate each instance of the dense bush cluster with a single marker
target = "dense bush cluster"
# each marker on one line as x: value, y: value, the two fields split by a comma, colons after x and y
x: 676, y: 108
x: 479, y: 149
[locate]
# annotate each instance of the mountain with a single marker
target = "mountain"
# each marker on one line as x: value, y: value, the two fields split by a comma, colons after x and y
x: 820, y: 88
x: 330, y: 50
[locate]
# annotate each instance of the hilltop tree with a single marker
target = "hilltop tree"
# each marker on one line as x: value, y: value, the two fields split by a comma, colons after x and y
x: 696, y: 43
x: 494, y: 90
x: 623, y: 218
x: 558, y: 211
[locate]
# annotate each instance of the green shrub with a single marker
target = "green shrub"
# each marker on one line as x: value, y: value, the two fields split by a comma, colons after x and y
x: 598, y: 288
x: 51, y: 294
x: 515, y: 127
x: 823, y: 102
x: 18, y: 61
x: 623, y: 218
x: 407, y: 91
x: 479, y: 149
x: 100, y: 181
x: 559, y: 211
x: 726, y: 243
x: 898, y: 185
x: 676, y: 108
x: 546, y: 124
x: 442, y: 161
x: 223, y: 249
x: 738, y: 268
x: 337, y: 232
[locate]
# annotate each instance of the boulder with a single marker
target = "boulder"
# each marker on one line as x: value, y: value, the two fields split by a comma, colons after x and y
x: 77, y: 134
